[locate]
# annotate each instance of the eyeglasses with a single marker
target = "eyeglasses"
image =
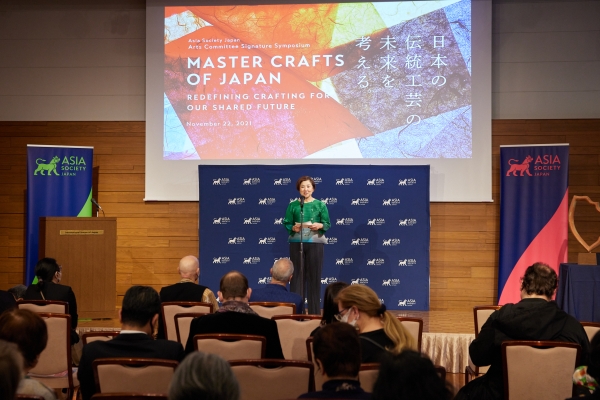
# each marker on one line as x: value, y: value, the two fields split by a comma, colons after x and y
x: 339, y: 316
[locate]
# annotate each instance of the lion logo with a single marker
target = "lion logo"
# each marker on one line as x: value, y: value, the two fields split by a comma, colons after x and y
x: 522, y: 168
x: 49, y: 168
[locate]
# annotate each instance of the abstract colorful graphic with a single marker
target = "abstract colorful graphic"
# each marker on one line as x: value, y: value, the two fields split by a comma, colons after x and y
x: 356, y: 80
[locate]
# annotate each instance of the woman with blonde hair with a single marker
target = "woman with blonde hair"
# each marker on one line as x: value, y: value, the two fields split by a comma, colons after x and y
x: 379, y: 330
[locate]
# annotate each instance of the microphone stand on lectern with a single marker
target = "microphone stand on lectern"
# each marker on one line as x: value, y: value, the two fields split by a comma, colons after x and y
x: 301, y: 281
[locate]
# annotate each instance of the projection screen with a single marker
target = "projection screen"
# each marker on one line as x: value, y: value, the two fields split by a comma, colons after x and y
x: 319, y: 83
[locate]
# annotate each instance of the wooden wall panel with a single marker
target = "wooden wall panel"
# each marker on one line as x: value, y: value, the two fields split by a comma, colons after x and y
x: 153, y: 236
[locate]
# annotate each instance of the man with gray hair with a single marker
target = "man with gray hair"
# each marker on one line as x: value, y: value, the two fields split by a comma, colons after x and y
x: 281, y: 274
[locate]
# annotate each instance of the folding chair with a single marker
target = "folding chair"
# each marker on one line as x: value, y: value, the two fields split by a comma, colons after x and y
x: 133, y: 375
x: 182, y: 326
x: 414, y: 326
x: 268, y: 309
x: 480, y: 316
x: 44, y: 306
x: 293, y: 330
x: 231, y: 346
x: 90, y: 337
x: 169, y: 309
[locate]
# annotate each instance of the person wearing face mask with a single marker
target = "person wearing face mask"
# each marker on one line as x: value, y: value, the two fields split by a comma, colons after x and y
x: 139, y: 317
x: 378, y: 329
x: 48, y: 287
x: 307, y: 220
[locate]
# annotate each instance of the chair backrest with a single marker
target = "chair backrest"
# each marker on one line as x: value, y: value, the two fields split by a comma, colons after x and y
x: 28, y: 397
x: 133, y: 375
x: 591, y: 329
x: 539, y: 369
x: 481, y: 315
x: 129, y: 396
x: 44, y: 306
x: 103, y: 336
x: 272, y: 379
x: 414, y: 326
x: 182, y: 325
x: 318, y: 377
x: 293, y: 330
x: 56, y: 357
x: 169, y: 309
x: 268, y: 309
x: 367, y: 375
x: 231, y: 346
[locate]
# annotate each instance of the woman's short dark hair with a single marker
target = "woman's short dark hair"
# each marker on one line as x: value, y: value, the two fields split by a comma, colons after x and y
x: 305, y: 178
x: 539, y: 279
x: 11, y: 370
x: 27, y: 330
x: 330, y: 307
x: 337, y: 346
x: 409, y: 375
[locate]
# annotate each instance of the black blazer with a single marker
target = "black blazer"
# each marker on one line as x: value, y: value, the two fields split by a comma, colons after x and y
x: 239, y: 323
x: 57, y: 292
x: 123, y: 345
x: 185, y: 291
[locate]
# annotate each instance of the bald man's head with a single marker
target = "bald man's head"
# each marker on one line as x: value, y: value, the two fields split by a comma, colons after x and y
x: 189, y: 268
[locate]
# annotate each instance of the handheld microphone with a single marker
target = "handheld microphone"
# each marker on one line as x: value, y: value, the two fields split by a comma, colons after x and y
x: 96, y: 204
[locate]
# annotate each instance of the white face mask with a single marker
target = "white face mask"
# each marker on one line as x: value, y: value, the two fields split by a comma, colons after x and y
x: 345, y: 319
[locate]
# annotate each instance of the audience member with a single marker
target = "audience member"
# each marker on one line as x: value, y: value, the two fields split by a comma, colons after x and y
x: 187, y: 289
x: 407, y: 376
x: 48, y: 287
x: 535, y: 317
x: 7, y: 301
x: 203, y: 376
x: 330, y: 307
x: 589, y: 376
x: 281, y: 274
x: 336, y: 348
x: 236, y: 316
x: 18, y: 291
x: 28, y: 331
x: 379, y: 330
x: 138, y: 316
x: 11, y: 366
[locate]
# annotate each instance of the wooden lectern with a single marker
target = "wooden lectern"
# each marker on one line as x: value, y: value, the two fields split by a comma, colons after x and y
x: 87, y: 249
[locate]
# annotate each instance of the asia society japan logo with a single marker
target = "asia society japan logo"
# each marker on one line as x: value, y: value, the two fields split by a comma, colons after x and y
x: 267, y: 201
x: 331, y: 240
x: 391, y: 202
x: 221, y: 221
x: 251, y: 221
x: 344, y: 221
x: 375, y: 182
x: 281, y: 181
x: 344, y: 261
x: 376, y: 221
x: 359, y: 242
x: 407, y: 262
x: 375, y: 261
x: 359, y: 281
x: 278, y: 221
x: 69, y: 166
x: 266, y: 240
x: 251, y: 181
x: 328, y: 280
x: 361, y: 201
x: 541, y: 166
x: 220, y: 181
x: 391, y: 242
x: 407, y: 303
x: 407, y: 222
x: 407, y: 182
x: 236, y: 240
x: 220, y: 260
x: 390, y: 282
x: 329, y: 200
x: 251, y: 260
x: 343, y: 181
x: 236, y: 201
x: 264, y: 280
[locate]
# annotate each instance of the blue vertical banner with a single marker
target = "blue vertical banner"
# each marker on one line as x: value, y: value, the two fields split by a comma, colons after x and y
x: 534, y: 194
x: 59, y: 184
x: 379, y: 235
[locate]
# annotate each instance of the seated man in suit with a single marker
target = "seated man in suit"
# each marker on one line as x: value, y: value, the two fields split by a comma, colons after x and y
x: 236, y: 316
x: 336, y: 348
x: 187, y: 289
x: 138, y: 316
x: 281, y: 274
x: 535, y: 317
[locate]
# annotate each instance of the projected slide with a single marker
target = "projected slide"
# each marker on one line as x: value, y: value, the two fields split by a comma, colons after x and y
x: 324, y: 81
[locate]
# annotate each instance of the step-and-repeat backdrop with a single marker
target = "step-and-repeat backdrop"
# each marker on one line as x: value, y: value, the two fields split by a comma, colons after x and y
x: 379, y: 233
